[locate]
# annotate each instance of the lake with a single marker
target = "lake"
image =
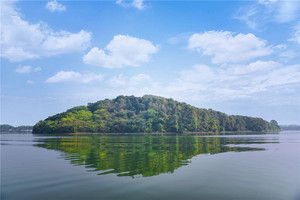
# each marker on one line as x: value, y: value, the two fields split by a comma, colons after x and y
x: 237, y: 166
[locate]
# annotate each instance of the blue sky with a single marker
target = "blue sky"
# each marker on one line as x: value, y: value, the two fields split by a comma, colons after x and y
x: 237, y: 57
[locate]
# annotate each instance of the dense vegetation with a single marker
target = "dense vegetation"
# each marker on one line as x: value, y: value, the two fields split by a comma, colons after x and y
x: 9, y: 128
x: 147, y: 114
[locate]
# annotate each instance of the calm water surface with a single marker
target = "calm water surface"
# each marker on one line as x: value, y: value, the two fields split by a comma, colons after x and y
x: 256, y: 166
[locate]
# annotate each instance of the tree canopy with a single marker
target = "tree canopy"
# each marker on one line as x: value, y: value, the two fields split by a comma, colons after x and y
x: 147, y: 114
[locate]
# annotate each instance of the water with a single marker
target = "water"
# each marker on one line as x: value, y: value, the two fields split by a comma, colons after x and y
x: 256, y: 166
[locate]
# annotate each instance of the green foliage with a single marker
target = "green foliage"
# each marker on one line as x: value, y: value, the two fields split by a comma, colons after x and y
x: 147, y: 114
x: 273, y: 126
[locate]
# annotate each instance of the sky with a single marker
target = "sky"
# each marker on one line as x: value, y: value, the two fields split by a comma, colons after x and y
x: 237, y: 57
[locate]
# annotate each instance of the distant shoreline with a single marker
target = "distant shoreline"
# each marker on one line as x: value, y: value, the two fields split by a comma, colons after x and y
x: 17, y: 132
x: 153, y: 133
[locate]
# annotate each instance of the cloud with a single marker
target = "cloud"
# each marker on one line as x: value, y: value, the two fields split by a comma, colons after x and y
x: 70, y: 76
x: 179, y: 38
x: 137, y: 80
x: 21, y: 40
x: 30, y: 82
x: 138, y: 85
x: 267, y: 2
x: 53, y: 6
x: 256, y: 15
x: 296, y: 34
x: 285, y: 53
x: 122, y: 51
x: 37, y: 69
x: 139, y: 4
x: 117, y: 81
x: 27, y: 69
x: 256, y: 67
x: 288, y: 55
x: 226, y: 47
x: 248, y: 15
x: 259, y: 82
x: 203, y: 82
x: 286, y: 11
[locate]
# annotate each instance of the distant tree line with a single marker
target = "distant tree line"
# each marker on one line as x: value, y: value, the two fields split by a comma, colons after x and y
x: 293, y: 127
x: 9, y: 128
x: 145, y: 115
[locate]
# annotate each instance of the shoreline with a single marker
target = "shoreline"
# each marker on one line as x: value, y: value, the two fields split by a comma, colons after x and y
x: 164, y: 133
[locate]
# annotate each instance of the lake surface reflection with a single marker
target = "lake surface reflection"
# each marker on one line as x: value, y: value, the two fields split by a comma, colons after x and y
x: 135, y: 167
x: 145, y: 155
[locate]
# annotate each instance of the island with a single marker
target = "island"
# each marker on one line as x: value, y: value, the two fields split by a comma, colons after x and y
x: 147, y: 114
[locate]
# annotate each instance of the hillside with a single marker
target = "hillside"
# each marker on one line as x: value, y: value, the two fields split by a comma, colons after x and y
x: 147, y: 114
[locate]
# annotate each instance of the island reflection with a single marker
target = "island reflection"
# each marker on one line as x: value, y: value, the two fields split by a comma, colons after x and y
x: 146, y: 155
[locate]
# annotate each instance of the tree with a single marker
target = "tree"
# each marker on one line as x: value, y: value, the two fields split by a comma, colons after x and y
x: 194, y: 123
x: 274, y: 125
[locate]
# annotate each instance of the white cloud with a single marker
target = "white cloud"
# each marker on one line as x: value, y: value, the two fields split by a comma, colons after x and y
x: 120, y: 2
x: 24, y: 69
x: 260, y: 82
x: 226, y: 47
x: 296, y: 34
x: 139, y: 79
x: 122, y: 81
x: 64, y: 76
x: 258, y: 66
x: 264, y: 11
x: 179, y: 38
x: 21, y: 40
x: 286, y: 11
x: 122, y: 51
x: 248, y: 15
x: 117, y: 81
x: 30, y: 82
x: 287, y: 55
x: 27, y: 69
x: 53, y: 6
x: 238, y: 81
x: 139, y: 4
x: 267, y: 2
x: 37, y: 69
x: 64, y: 42
x: 70, y: 76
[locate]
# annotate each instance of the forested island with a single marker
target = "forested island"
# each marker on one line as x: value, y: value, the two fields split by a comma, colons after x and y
x: 147, y: 114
